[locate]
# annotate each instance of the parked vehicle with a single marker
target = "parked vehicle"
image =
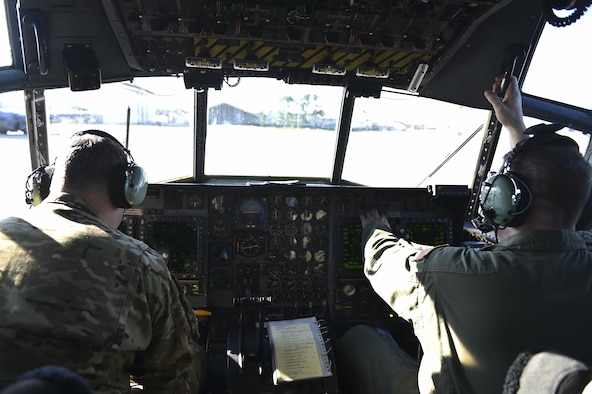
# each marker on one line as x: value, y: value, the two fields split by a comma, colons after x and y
x: 10, y: 121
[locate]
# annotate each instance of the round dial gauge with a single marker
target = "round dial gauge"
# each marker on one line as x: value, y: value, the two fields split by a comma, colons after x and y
x: 291, y: 214
x: 290, y: 229
x: 349, y: 289
x: 221, y: 204
x: 306, y: 215
x: 319, y: 256
x: 277, y: 200
x: 275, y: 214
x: 275, y: 229
x: 305, y: 255
x: 321, y: 214
x: 194, y: 201
x: 306, y: 228
x: 251, y: 212
x: 306, y: 242
x: 291, y: 201
x: 250, y: 246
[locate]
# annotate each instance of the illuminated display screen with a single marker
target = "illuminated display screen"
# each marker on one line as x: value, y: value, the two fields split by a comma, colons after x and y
x: 352, y: 247
x: 177, y: 242
x: 428, y: 233
x: 421, y: 232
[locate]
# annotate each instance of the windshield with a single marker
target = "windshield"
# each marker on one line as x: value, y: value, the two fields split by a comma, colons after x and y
x: 160, y: 133
x: 261, y: 127
x: 407, y: 141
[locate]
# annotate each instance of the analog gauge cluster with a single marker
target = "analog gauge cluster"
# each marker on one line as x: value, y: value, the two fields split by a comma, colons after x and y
x: 221, y: 216
x: 270, y: 245
x: 298, y: 228
x: 221, y: 247
x: 294, y: 284
x: 297, y: 248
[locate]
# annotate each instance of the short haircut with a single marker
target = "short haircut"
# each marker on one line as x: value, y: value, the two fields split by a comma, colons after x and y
x: 557, y: 174
x: 90, y: 158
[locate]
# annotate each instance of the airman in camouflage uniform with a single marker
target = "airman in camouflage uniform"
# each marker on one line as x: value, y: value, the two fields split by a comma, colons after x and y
x: 78, y: 293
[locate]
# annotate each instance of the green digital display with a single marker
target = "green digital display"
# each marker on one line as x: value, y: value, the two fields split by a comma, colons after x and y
x: 177, y: 243
x: 427, y: 233
x: 352, y: 247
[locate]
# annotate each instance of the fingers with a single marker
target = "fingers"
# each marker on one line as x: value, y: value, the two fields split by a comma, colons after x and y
x: 369, y: 217
x: 373, y: 216
x: 504, y: 106
x: 493, y: 99
x: 373, y: 213
x: 497, y: 84
x: 493, y: 95
x: 508, y: 109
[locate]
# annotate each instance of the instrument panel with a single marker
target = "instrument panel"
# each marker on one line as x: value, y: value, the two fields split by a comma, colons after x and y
x: 247, y: 254
x: 297, y: 247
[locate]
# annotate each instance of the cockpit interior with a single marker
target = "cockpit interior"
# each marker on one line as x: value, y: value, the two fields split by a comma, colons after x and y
x: 268, y: 126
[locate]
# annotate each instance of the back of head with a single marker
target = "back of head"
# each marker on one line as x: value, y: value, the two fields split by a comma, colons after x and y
x: 94, y: 162
x: 558, y: 176
x: 89, y: 161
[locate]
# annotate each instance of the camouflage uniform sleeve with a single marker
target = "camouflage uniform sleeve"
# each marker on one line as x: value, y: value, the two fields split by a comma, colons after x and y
x: 174, y: 361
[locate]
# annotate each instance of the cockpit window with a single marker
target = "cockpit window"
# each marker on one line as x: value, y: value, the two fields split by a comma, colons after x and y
x: 160, y: 112
x: 5, y: 50
x: 261, y: 127
x: 402, y: 140
x: 561, y: 66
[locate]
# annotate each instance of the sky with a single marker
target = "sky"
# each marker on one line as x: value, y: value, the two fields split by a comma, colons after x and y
x: 561, y: 66
x: 5, y: 52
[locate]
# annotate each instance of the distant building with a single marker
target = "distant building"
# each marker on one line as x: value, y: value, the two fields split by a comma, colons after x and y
x: 228, y: 114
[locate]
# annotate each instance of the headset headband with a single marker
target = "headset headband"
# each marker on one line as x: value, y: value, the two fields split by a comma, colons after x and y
x: 539, y: 134
x: 104, y: 134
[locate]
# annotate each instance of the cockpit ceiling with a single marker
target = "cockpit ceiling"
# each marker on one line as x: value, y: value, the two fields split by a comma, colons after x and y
x: 362, y: 44
x: 323, y: 42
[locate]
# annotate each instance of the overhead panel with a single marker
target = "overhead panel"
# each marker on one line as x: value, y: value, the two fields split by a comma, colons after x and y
x: 341, y: 39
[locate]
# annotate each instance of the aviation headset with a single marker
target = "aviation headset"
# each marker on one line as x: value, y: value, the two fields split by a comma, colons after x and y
x: 127, y: 184
x: 505, y: 197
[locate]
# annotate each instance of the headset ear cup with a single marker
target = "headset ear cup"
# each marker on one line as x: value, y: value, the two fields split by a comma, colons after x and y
x: 136, y: 184
x: 128, y: 185
x: 43, y: 185
x: 504, y: 200
x: 38, y: 184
